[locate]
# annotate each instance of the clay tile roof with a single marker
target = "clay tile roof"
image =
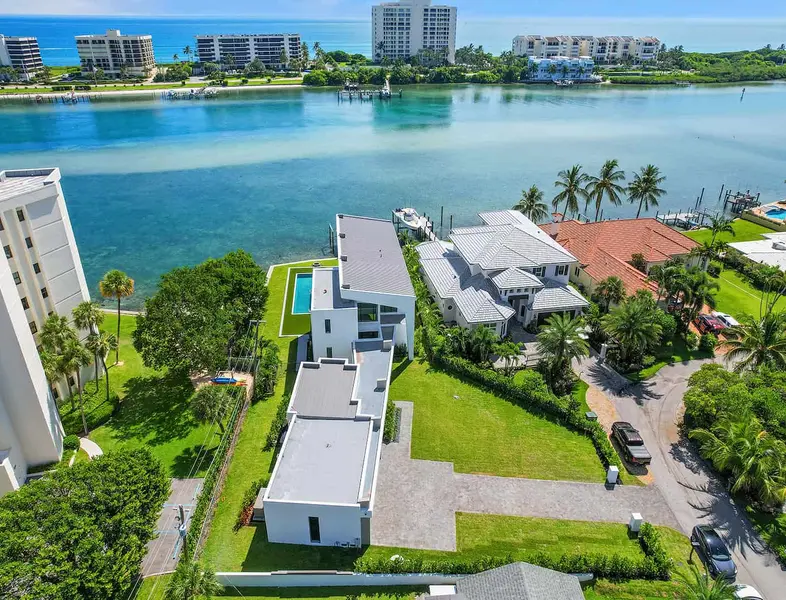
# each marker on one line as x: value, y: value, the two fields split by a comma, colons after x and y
x: 606, y: 247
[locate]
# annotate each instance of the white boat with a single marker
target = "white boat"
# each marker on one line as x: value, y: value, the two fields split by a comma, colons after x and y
x: 410, y: 217
x: 563, y: 82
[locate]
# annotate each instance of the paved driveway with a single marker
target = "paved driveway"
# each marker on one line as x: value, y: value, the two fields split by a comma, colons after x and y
x: 694, y: 494
x: 417, y: 500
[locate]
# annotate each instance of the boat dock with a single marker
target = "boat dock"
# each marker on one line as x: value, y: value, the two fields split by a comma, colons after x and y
x: 685, y: 220
x: 353, y: 91
x: 739, y: 202
x: 192, y: 94
x: 420, y: 226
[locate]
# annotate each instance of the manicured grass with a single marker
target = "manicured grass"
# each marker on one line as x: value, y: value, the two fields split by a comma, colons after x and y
x: 736, y: 296
x: 478, y: 432
x: 294, y: 324
x: 147, y: 409
x: 633, y: 590
x: 679, y: 352
x: 248, y: 548
x: 744, y: 231
x: 81, y: 456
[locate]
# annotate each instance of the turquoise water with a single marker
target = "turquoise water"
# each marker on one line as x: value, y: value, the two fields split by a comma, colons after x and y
x: 172, y: 34
x: 777, y: 213
x: 301, y: 303
x: 152, y: 185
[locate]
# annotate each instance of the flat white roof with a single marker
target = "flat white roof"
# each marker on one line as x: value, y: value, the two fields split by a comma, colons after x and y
x: 23, y: 181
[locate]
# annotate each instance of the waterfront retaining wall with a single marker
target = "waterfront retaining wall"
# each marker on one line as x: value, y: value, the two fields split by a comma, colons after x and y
x: 764, y: 221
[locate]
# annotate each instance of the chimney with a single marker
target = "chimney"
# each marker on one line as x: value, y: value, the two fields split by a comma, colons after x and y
x: 556, y: 220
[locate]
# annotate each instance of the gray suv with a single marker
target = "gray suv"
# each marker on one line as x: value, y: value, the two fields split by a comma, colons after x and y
x: 713, y: 552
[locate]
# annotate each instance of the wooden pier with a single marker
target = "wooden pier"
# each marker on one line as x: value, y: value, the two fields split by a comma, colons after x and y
x: 738, y: 202
x: 686, y: 220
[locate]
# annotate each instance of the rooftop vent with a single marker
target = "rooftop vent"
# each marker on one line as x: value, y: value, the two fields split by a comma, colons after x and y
x: 342, y: 235
x: 382, y: 383
x: 343, y: 257
x: 340, y: 216
x: 344, y: 286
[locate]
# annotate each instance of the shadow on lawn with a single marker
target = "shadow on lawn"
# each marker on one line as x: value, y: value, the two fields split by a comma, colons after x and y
x: 155, y: 406
x: 193, y: 461
x: 266, y: 556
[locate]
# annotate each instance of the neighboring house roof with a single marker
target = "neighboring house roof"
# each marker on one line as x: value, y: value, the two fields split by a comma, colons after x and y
x: 474, y: 296
x: 770, y: 251
x: 508, y: 239
x: 514, y: 277
x: 520, y: 581
x: 604, y: 248
x: 374, y: 262
x: 557, y: 296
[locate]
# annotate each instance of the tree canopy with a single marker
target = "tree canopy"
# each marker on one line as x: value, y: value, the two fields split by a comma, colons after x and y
x: 188, y: 324
x: 81, y: 532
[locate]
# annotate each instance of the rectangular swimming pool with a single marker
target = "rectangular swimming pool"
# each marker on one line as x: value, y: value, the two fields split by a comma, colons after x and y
x: 301, y: 303
x: 777, y: 213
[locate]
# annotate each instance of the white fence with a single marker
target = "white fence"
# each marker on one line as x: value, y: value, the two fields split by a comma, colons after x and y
x: 333, y: 579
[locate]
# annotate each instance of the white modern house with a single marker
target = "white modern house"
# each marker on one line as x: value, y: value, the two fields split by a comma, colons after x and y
x: 112, y: 51
x: 770, y: 250
x: 506, y: 270
x: 245, y: 47
x: 39, y: 249
x: 323, y: 486
x: 22, y: 54
x: 399, y: 30
x: 562, y: 67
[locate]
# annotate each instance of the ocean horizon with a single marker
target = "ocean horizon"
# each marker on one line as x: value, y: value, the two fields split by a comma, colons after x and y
x: 172, y: 33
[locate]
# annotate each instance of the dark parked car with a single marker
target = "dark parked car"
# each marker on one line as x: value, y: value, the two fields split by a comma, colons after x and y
x: 713, y: 552
x: 632, y: 443
x: 709, y: 324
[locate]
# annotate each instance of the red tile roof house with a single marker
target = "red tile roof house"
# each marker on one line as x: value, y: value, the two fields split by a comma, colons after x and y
x: 605, y: 248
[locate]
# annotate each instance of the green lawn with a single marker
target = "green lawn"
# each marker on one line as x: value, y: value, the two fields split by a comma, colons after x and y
x: 294, y: 324
x: 632, y: 590
x: 744, y: 231
x: 148, y: 409
x: 736, y: 296
x: 247, y: 548
x: 679, y: 352
x: 478, y: 432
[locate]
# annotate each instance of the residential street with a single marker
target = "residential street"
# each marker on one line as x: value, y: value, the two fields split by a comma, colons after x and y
x: 692, y: 492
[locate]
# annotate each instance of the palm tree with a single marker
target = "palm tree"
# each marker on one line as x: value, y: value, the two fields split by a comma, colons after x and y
x: 380, y: 50
x: 89, y: 316
x: 187, y: 52
x: 101, y: 344
x: 117, y: 285
x: 645, y: 189
x: 210, y: 405
x: 756, y: 343
x: 49, y: 361
x: 75, y: 356
x: 483, y: 340
x: 720, y: 224
x: 707, y: 251
x: 560, y: 341
x: 531, y: 205
x: 632, y: 325
x: 304, y: 53
x: 606, y: 184
x: 740, y: 446
x: 56, y: 333
x: 190, y: 581
x: 175, y: 57
x: 571, y: 183
x: 701, y: 291
x: 508, y: 352
x: 699, y: 586
x: 610, y: 291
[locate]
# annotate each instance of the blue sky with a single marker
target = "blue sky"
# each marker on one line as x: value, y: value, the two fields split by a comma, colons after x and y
x: 342, y: 9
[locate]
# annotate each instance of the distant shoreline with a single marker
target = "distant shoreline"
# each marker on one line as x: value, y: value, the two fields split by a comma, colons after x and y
x: 143, y: 91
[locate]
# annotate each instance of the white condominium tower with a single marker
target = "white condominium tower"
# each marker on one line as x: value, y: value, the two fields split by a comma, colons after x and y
x: 267, y: 47
x: 40, y: 274
x: 21, y: 53
x: 399, y: 30
x: 112, y: 51
x: 606, y: 49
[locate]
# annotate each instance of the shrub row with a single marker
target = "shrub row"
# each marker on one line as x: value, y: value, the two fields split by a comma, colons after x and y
x: 655, y: 563
x: 267, y: 372
x: 247, y: 505
x: 71, y: 442
x: 277, y: 424
x: 759, y: 275
x: 389, y: 432
x: 211, y: 477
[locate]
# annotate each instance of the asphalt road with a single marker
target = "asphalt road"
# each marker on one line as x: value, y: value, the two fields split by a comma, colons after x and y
x: 694, y: 494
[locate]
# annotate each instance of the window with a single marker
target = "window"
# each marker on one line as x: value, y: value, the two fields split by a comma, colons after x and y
x: 387, y: 309
x: 17, y: 279
x: 329, y: 352
x: 8, y: 253
x: 367, y: 313
x: 539, y: 271
x: 576, y: 271
x: 36, y: 268
x: 44, y: 293
x: 33, y: 327
x: 71, y: 382
x: 313, y: 529
x: 492, y: 326
x: 561, y: 270
x: 368, y: 335
x: 20, y: 214
x: 327, y: 325
x: 28, y: 242
x: 1, y: 225
x: 25, y: 303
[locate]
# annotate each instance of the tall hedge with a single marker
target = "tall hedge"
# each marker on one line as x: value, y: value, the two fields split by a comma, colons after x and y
x: 81, y: 532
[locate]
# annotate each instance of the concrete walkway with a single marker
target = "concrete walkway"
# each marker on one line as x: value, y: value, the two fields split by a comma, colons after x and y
x: 694, y: 493
x: 90, y: 447
x: 417, y: 500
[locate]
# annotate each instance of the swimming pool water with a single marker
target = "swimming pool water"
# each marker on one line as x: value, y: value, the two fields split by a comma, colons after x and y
x: 777, y: 213
x: 301, y: 304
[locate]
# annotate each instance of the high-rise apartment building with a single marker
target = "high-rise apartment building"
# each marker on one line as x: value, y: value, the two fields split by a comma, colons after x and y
x: 112, y: 52
x: 22, y: 54
x: 606, y: 49
x: 267, y: 47
x: 400, y: 30
x: 40, y: 274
